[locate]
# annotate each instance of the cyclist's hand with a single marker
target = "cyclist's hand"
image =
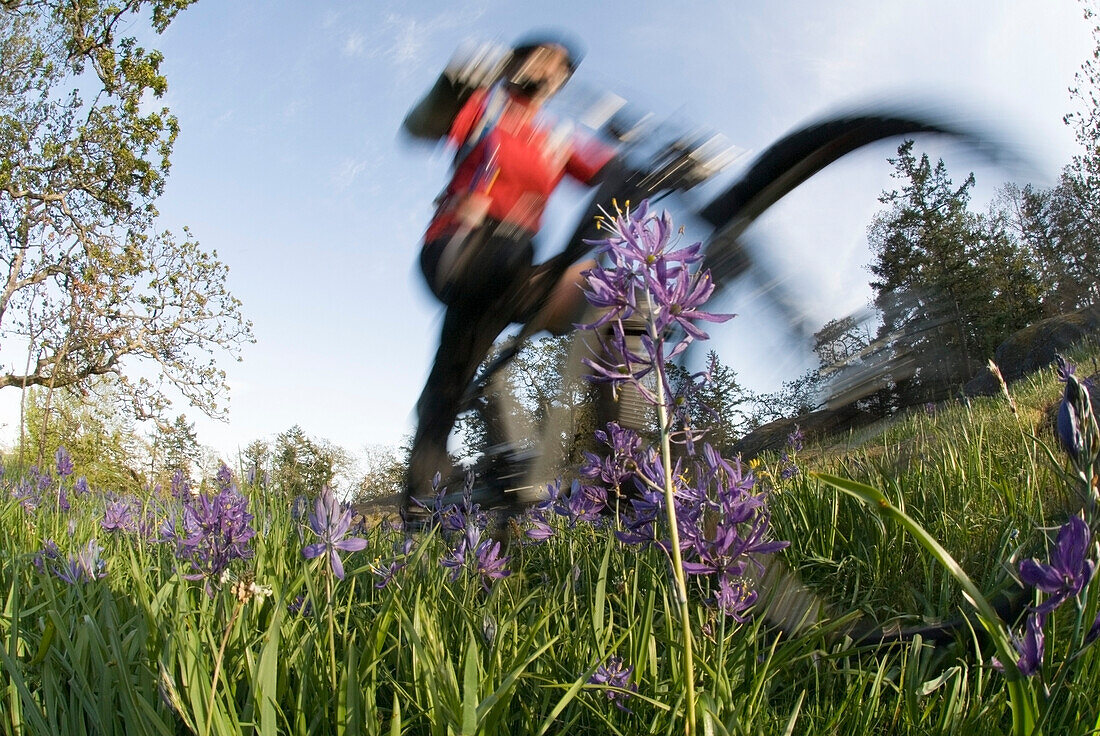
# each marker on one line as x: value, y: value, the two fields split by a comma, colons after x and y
x: 476, y: 65
x: 472, y: 210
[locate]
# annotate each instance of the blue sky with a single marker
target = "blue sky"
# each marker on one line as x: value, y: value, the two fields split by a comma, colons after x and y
x: 290, y: 166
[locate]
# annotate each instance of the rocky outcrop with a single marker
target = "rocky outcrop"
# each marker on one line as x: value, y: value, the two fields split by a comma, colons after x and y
x: 815, y: 425
x: 1034, y: 348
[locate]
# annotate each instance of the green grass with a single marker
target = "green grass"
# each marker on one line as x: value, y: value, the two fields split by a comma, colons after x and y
x: 146, y: 651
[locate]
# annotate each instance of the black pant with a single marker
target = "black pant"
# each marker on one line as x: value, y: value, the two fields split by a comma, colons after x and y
x: 484, y: 293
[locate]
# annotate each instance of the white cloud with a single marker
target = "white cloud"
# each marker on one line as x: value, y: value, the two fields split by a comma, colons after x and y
x: 354, y: 44
x: 348, y: 171
x: 404, y: 39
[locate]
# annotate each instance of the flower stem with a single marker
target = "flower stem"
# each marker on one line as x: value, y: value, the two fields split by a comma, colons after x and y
x: 218, y: 665
x: 663, y: 422
x: 331, y: 630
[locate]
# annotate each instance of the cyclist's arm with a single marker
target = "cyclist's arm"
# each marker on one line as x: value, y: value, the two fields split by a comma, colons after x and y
x: 472, y: 68
x: 588, y: 159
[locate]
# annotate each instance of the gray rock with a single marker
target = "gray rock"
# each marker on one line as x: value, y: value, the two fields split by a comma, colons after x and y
x: 1034, y: 348
x: 773, y: 435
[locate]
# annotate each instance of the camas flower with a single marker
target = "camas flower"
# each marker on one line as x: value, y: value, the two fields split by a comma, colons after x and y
x: 85, y: 565
x: 216, y: 530
x: 118, y: 516
x: 1076, y: 423
x: 387, y: 572
x: 621, y: 464
x: 490, y: 564
x: 539, y: 529
x: 179, y: 487
x: 330, y: 521
x: 49, y: 551
x: 1069, y: 570
x: 614, y: 673
x: 1029, y: 647
x: 734, y: 598
x: 64, y: 463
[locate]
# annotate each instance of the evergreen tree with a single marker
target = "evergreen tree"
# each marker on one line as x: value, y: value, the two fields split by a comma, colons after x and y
x: 720, y: 407
x: 176, y: 447
x: 302, y: 466
x: 950, y: 284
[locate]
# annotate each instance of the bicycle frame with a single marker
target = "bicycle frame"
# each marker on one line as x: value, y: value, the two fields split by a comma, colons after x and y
x: 775, y: 173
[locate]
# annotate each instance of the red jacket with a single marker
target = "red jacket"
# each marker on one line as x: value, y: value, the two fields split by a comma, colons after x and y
x: 514, y: 165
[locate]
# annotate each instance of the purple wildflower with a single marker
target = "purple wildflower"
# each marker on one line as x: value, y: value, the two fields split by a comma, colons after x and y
x: 614, y: 673
x: 641, y: 521
x: 585, y: 503
x: 733, y: 598
x: 49, y: 551
x: 642, y: 257
x: 300, y: 606
x: 179, y: 487
x: 1030, y: 647
x: 64, y: 463
x: 455, y: 559
x: 1069, y: 569
x: 224, y: 478
x: 795, y: 439
x: 1076, y: 423
x: 539, y: 529
x: 480, y: 557
x: 80, y: 487
x: 490, y: 564
x: 218, y: 530
x: 621, y: 465
x: 85, y: 565
x: 330, y: 521
x: 118, y: 516
x: 386, y: 573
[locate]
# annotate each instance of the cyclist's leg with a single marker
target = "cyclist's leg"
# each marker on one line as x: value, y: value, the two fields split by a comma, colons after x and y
x: 484, y: 304
x: 566, y: 303
x: 467, y: 335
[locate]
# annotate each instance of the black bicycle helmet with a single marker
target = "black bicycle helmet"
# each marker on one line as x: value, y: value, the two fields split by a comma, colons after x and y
x: 574, y: 50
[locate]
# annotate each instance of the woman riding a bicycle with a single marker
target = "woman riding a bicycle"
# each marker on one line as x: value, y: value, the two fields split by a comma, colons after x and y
x: 477, y: 255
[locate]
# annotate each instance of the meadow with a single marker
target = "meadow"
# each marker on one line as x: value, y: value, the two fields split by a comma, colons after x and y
x: 196, y: 611
x: 716, y: 597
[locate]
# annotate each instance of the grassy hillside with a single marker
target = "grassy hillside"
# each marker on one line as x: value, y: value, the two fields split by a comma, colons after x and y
x: 224, y: 612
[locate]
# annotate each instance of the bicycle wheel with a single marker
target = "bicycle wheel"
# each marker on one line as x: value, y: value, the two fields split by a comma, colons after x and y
x: 786, y: 602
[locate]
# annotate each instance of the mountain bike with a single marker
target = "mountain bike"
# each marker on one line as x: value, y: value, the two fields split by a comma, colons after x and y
x: 514, y: 470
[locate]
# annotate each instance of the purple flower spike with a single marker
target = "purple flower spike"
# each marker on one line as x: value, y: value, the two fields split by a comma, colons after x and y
x: 1094, y: 630
x: 734, y: 599
x: 539, y: 530
x: 614, y: 673
x: 1030, y: 648
x: 118, y: 516
x: 490, y: 564
x: 1069, y: 569
x: 85, y: 565
x: 216, y: 531
x: 330, y: 521
x: 1076, y: 423
x: 64, y: 463
x: 795, y: 439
